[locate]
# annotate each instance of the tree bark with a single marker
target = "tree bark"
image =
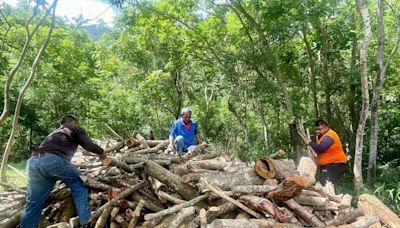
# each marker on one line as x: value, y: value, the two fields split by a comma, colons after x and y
x: 231, y: 200
x: 175, y: 208
x: 119, y: 196
x: 179, y: 217
x: 362, y: 222
x: 226, y: 181
x: 346, y: 218
x: 304, y: 213
x: 370, y: 205
x: 380, y: 78
x: 269, y: 208
x: 171, y: 180
x: 358, y: 179
x: 253, y: 189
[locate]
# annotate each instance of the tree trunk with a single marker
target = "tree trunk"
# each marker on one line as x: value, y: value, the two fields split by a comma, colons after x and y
x: 311, y: 65
x: 171, y: 180
x: 358, y: 179
x: 34, y: 66
x: 380, y: 78
x: 304, y: 213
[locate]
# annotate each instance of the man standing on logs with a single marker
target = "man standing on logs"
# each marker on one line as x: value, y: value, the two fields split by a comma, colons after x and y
x: 51, y: 162
x: 330, y: 154
x: 184, y: 135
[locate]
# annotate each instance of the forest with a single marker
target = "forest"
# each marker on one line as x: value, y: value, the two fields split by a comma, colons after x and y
x: 252, y: 71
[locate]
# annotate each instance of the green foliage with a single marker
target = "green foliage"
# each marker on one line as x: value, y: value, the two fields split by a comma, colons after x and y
x: 163, y: 55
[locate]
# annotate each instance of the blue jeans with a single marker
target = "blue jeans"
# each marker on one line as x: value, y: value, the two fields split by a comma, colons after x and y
x: 180, y: 146
x: 43, y: 172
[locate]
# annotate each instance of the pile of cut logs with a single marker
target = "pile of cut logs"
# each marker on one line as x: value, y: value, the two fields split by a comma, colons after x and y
x: 142, y: 184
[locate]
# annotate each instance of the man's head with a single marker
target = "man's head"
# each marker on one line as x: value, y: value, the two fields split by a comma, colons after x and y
x: 186, y: 114
x: 69, y: 120
x: 321, y: 127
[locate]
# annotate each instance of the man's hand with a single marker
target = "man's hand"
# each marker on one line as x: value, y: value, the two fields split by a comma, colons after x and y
x: 307, y: 141
x: 103, y: 156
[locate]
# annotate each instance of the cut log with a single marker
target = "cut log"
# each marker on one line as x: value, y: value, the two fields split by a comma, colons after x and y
x: 171, y: 180
x: 175, y: 208
x: 289, y: 188
x: 114, y: 212
x: 169, y: 197
x: 311, y: 200
x: 269, y: 209
x: 158, y: 158
x: 136, y: 214
x: 155, y: 149
x: 12, y: 221
x: 370, y: 205
x: 346, y: 218
x: 101, y: 221
x: 304, y: 213
x: 150, y: 205
x: 203, y: 218
x: 68, y: 210
x: 110, y: 161
x: 279, y: 169
x: 132, y: 142
x: 123, y: 203
x: 247, y: 223
x: 323, y: 191
x: 195, y: 152
x: 229, y: 199
x: 362, y: 222
x: 253, y: 189
x: 184, y: 213
x: 94, y: 183
x: 142, y: 141
x: 307, y: 167
x: 74, y: 222
x: 226, y: 181
x: 119, y: 196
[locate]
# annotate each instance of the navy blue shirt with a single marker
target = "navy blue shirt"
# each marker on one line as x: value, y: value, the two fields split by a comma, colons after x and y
x: 178, y: 128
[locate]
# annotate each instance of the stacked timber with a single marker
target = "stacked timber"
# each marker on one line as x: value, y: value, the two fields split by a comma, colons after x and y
x: 142, y: 184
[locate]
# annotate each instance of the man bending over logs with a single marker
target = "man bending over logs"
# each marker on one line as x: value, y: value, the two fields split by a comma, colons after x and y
x: 184, y: 135
x: 330, y: 154
x: 51, y: 162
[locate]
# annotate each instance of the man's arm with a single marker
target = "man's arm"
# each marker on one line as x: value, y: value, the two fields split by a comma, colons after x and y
x: 172, y: 135
x: 325, y: 143
x: 198, y: 139
x: 88, y: 144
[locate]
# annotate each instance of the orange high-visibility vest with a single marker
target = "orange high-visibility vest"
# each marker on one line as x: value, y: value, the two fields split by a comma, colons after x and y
x: 334, y: 154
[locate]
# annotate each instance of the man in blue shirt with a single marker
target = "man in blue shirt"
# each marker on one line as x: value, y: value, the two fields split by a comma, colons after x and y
x: 184, y: 135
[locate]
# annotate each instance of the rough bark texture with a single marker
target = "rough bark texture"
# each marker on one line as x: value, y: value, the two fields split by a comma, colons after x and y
x: 371, y: 205
x: 226, y: 181
x: 253, y: 189
x: 304, y: 213
x: 172, y: 180
x: 175, y: 208
x: 346, y: 218
x: 184, y: 213
x: 358, y: 179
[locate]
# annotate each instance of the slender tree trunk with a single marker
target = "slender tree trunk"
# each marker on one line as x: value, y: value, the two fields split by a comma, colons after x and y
x: 377, y: 90
x: 21, y: 95
x: 10, y: 76
x: 261, y: 112
x: 358, y: 179
x: 352, y: 90
x: 311, y: 65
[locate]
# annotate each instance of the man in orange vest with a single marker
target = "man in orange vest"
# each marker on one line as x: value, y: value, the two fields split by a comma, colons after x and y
x: 330, y: 154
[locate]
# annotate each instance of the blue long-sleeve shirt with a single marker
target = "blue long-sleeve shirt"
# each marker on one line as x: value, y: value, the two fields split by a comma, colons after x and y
x: 178, y: 128
x: 325, y: 143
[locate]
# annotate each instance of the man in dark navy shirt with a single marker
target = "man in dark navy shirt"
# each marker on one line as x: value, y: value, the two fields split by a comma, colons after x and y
x: 51, y: 162
x: 184, y: 135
